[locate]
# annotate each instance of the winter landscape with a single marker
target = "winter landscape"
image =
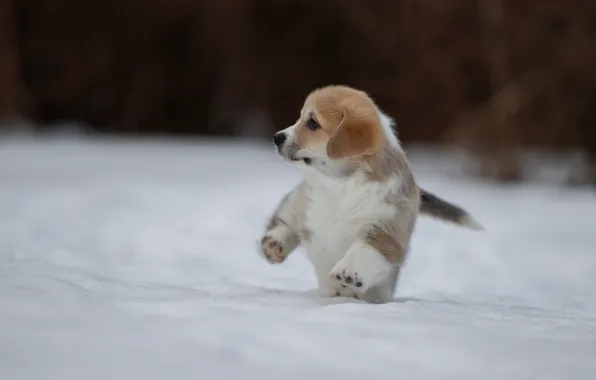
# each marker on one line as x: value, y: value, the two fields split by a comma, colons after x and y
x: 138, y: 260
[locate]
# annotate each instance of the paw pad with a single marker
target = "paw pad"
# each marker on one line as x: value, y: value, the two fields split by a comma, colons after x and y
x: 347, y: 280
x: 273, y: 250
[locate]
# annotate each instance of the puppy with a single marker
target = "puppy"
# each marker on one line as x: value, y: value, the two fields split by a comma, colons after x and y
x: 356, y: 207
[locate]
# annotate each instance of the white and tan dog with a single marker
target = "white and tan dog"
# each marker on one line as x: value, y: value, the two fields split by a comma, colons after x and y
x: 356, y: 207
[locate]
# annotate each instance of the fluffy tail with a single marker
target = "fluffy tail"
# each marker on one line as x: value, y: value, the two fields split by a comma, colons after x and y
x: 438, y: 208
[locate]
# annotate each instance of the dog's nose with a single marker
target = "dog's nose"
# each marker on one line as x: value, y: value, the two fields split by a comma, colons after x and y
x: 279, y: 138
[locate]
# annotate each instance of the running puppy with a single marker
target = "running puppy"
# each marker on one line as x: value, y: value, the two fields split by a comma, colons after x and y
x: 356, y: 207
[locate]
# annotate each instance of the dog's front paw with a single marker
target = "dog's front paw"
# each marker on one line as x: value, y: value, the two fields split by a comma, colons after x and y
x: 347, y: 278
x: 273, y: 250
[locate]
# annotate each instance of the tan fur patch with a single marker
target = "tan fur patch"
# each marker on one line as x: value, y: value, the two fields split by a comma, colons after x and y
x: 385, y: 164
x: 392, y: 238
x: 358, y: 134
x: 390, y: 247
x: 307, y: 138
x: 349, y: 120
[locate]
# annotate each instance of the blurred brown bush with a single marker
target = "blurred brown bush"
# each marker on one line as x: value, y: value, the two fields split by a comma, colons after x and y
x: 9, y: 75
x: 496, y: 74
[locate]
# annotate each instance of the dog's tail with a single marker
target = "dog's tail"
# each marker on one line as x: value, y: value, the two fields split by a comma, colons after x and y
x: 436, y: 207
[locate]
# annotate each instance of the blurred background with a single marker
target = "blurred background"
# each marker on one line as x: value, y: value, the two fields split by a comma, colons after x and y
x: 137, y: 174
x: 496, y: 77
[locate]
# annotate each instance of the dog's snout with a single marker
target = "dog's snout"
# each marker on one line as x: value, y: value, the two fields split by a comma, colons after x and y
x: 279, y: 138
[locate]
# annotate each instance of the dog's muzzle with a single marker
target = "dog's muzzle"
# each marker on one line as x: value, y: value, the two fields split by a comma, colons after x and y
x: 287, y: 150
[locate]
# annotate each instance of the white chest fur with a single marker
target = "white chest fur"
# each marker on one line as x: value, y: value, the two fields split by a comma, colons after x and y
x: 340, y: 211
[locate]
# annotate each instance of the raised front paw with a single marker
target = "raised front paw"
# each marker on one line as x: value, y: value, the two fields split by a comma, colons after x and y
x: 273, y: 250
x: 347, y: 278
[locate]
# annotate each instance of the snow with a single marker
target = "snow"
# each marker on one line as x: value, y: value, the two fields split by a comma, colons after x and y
x: 138, y: 260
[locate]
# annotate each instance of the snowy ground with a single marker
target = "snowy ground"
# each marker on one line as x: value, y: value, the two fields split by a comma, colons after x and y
x: 138, y: 261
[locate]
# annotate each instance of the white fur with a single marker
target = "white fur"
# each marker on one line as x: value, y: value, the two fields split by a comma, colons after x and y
x: 339, y: 212
x: 364, y: 265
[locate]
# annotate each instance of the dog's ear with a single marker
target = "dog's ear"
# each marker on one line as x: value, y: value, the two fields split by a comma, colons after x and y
x: 358, y: 134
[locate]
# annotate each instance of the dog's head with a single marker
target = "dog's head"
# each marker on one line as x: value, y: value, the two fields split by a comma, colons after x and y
x: 338, y: 128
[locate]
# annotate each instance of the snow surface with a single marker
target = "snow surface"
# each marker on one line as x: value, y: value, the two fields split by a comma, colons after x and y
x: 138, y: 260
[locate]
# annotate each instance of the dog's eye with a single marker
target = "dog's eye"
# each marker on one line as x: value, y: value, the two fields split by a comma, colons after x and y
x: 312, y: 124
